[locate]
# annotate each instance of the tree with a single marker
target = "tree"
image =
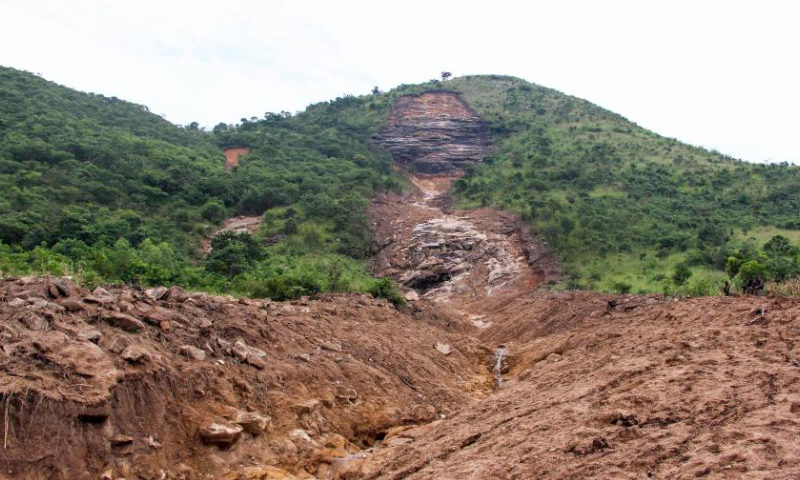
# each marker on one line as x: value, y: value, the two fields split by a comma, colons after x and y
x: 681, y: 274
x: 233, y: 253
x: 375, y: 90
x: 446, y: 75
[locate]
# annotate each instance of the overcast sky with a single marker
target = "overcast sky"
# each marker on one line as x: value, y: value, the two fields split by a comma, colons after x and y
x: 724, y: 75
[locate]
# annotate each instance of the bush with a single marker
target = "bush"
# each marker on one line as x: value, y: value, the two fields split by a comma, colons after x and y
x: 681, y: 274
x: 622, y: 287
x: 385, y: 288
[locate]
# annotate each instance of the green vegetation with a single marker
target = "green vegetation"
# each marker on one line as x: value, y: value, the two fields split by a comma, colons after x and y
x: 623, y: 206
x: 104, y: 189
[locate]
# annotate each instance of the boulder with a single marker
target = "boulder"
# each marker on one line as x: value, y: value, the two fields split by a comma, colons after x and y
x: 134, y: 354
x: 58, y: 287
x: 157, y: 315
x: 122, y: 321
x: 252, y: 422
x: 101, y: 296
x: 257, y: 362
x: 306, y: 408
x: 247, y: 354
x: 239, y: 351
x: 176, y: 294
x: 26, y: 291
x: 155, y: 293
x: 70, y: 305
x: 221, y: 434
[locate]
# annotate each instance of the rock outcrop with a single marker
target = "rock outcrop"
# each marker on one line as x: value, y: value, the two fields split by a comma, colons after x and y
x: 434, y: 133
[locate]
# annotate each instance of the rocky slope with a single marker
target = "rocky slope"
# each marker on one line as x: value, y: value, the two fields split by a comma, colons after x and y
x: 434, y: 133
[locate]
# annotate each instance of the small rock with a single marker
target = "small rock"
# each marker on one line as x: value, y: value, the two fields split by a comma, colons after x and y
x: 257, y: 352
x: 252, y: 422
x: 134, y: 354
x: 222, y: 435
x: 53, y: 291
x: 443, y: 348
x: 239, y: 350
x: 300, y: 434
x: 333, y: 347
x: 412, y: 296
x: 193, y: 352
x: 346, y: 394
x: 115, y: 344
x: 257, y: 362
x: 123, y: 321
x: 554, y: 357
x: 305, y: 408
x: 304, y: 357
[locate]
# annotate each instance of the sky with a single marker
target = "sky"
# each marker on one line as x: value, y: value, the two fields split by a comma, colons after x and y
x: 722, y: 75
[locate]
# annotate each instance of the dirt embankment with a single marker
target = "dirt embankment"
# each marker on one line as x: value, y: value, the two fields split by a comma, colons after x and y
x: 164, y: 384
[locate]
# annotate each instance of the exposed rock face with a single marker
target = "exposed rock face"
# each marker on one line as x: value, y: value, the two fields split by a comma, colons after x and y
x: 434, y: 133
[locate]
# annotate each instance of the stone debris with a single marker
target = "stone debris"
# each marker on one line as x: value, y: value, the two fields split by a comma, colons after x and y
x: 192, y: 352
x: 252, y: 422
x: 134, y: 354
x: 221, y: 434
x: 122, y: 321
x: 443, y: 348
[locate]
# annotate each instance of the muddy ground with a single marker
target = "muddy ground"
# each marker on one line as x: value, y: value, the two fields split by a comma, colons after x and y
x: 486, y: 375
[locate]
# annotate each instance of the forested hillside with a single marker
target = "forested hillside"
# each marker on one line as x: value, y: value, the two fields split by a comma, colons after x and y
x: 626, y: 208
x: 103, y: 188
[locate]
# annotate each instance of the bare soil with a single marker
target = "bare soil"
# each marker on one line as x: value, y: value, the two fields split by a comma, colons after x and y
x: 486, y: 375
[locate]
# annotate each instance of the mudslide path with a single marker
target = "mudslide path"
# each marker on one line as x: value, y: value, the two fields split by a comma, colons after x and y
x: 455, y: 259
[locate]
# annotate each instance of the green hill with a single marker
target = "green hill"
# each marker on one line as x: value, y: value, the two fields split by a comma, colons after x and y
x: 104, y: 189
x: 626, y: 207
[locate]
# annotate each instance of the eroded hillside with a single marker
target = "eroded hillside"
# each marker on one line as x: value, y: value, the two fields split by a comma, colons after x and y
x: 434, y: 133
x: 481, y: 376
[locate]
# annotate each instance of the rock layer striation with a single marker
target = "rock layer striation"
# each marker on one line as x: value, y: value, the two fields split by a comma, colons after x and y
x: 434, y: 133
